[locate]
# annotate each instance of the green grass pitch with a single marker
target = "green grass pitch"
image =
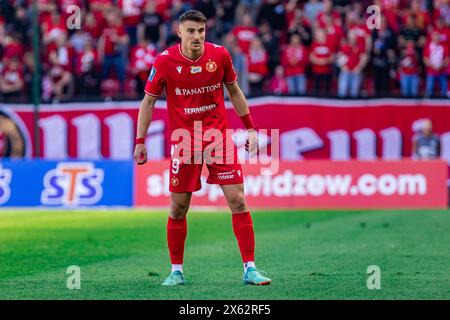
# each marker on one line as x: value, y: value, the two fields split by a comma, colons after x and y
x: 308, y: 255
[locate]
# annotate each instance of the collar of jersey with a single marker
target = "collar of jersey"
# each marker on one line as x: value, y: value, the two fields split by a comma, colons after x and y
x: 182, y: 54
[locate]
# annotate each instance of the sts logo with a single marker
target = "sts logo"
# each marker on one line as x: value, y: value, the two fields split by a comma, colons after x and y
x: 5, y: 179
x: 72, y: 184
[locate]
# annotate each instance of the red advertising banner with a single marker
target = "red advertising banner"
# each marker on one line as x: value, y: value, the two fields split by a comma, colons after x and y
x: 319, y: 184
x: 309, y: 128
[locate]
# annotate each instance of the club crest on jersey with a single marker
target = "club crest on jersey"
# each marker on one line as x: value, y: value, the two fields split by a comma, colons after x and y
x: 152, y: 74
x: 174, y: 182
x: 211, y: 66
x: 195, y: 69
x: 179, y: 68
x: 72, y: 184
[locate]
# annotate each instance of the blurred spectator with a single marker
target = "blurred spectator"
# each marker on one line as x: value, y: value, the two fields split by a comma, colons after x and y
x: 295, y: 60
x: 301, y: 26
x: 11, y: 80
x: 383, y: 57
x: 112, y: 47
x: 58, y: 84
x: 132, y: 14
x: 322, y: 58
x: 426, y: 144
x: 245, y: 33
x: 278, y: 84
x: 271, y: 43
x: 273, y: 12
x: 351, y: 60
x: 226, y: 10
x: 335, y: 32
x: 141, y: 60
x: 93, y: 25
x: 257, y: 66
x: 152, y: 26
x: 312, y: 9
x: 411, y: 31
x: 209, y: 10
x: 239, y: 62
x: 86, y: 69
x: 436, y: 58
x: 409, y: 71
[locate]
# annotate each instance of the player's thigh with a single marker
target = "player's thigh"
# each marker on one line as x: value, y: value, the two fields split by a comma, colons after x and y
x: 184, y: 177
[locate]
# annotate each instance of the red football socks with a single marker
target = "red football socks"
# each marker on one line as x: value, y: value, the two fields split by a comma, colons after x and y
x: 243, y: 230
x: 176, y: 236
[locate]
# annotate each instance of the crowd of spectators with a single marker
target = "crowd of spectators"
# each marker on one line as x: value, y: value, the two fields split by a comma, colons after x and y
x: 295, y: 47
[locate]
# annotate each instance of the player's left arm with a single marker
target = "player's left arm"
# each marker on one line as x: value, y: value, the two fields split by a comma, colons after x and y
x: 240, y: 105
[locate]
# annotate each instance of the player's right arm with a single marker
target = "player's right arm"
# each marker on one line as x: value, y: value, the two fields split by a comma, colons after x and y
x: 153, y: 88
x: 144, y: 120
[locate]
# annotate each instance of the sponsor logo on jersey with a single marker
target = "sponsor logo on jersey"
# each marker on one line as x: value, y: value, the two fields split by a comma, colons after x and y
x: 5, y: 180
x: 225, y: 175
x: 195, y: 69
x: 211, y: 66
x: 179, y: 68
x: 197, y: 110
x: 76, y: 183
x: 201, y: 90
x: 152, y: 74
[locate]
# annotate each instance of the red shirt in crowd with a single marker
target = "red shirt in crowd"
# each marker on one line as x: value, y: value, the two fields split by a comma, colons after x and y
x: 294, y: 60
x: 353, y: 54
x: 279, y: 85
x: 131, y: 11
x: 244, y: 36
x: 257, y: 62
x: 142, y: 58
x: 11, y: 76
x: 362, y: 32
x: 409, y: 64
x: 321, y: 51
x: 110, y: 46
x: 436, y: 53
x: 86, y: 61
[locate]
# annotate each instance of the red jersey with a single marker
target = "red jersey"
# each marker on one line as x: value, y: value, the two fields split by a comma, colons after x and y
x: 244, y: 36
x: 131, y: 11
x: 294, y: 60
x: 353, y: 56
x: 436, y: 54
x: 194, y: 88
x: 321, y: 51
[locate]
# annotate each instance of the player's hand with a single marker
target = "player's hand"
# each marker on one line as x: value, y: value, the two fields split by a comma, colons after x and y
x: 140, y: 153
x: 252, y: 142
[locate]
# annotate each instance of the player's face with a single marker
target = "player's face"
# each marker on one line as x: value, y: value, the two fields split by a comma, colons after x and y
x: 192, y: 35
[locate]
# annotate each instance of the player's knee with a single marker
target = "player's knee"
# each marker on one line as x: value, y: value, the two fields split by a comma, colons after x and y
x: 178, y: 210
x: 237, y: 203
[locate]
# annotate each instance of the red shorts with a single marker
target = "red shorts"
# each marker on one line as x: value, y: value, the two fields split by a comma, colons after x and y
x: 186, y: 177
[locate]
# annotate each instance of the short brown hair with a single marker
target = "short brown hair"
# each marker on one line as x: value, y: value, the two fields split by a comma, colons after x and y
x: 192, y: 15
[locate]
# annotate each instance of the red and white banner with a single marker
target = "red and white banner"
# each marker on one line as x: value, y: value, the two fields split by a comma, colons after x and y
x: 314, y: 184
x: 309, y: 128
